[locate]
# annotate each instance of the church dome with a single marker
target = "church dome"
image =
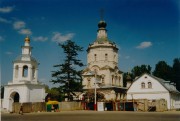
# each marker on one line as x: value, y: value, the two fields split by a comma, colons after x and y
x: 102, y: 24
x: 27, y: 39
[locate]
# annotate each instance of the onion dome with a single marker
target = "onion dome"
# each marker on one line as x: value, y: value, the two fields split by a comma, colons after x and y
x: 102, y: 24
x: 27, y: 39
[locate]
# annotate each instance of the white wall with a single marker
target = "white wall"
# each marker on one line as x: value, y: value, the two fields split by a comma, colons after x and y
x: 156, y: 92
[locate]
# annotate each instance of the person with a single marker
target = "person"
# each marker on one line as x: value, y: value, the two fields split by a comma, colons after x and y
x: 52, y: 108
x: 21, y: 110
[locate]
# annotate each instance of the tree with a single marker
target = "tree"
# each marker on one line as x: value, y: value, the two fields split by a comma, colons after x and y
x: 54, y: 94
x: 139, y: 70
x: 127, y: 77
x: 163, y: 70
x: 67, y: 76
x: 176, y: 72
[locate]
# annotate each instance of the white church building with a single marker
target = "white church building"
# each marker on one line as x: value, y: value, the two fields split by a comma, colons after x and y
x: 24, y: 87
x: 153, y: 88
x: 102, y: 67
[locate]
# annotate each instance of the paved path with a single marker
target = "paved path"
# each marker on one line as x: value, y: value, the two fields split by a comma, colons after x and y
x: 94, y: 116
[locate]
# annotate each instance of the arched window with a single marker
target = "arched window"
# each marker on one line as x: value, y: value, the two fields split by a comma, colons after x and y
x: 95, y: 57
x: 119, y: 81
x: 16, y: 71
x: 143, y: 85
x: 149, y: 85
x: 102, y: 80
x: 25, y: 71
x: 88, y: 82
x: 112, y: 80
x: 106, y: 57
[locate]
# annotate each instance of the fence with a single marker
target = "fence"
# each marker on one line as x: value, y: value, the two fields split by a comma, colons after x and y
x: 70, y: 106
x: 29, y: 107
x: 151, y: 105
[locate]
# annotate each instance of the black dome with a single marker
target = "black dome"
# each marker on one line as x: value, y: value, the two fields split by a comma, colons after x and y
x: 102, y: 24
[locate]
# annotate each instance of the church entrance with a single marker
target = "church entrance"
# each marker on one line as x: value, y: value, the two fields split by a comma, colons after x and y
x: 13, y: 101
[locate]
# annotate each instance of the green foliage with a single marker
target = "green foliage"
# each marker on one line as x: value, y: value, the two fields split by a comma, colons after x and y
x: 176, y: 72
x: 68, y: 77
x: 127, y: 77
x: 139, y: 70
x: 163, y: 70
x: 54, y: 94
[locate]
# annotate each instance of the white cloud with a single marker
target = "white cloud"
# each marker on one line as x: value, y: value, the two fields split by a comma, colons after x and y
x: 127, y: 57
x: 59, y: 37
x: 19, y: 24
x: 40, y: 38
x: 3, y: 20
x: 144, y: 45
x: 1, y: 38
x: 25, y: 31
x: 8, y: 53
x: 7, y: 9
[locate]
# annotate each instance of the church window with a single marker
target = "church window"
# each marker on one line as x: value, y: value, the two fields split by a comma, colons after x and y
x: 89, y: 83
x: 95, y: 57
x: 102, y: 80
x: 149, y: 85
x: 115, y: 79
x: 106, y: 57
x: 16, y: 71
x: 95, y: 71
x: 25, y: 71
x: 119, y: 81
x: 142, y: 85
x: 112, y: 80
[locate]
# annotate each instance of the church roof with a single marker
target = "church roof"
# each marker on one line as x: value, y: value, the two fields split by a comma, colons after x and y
x: 19, y: 58
x: 89, y: 73
x: 162, y: 82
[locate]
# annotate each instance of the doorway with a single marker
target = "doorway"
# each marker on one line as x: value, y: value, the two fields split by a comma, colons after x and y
x: 14, y: 99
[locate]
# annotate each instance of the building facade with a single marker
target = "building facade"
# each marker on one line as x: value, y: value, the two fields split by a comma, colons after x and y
x: 153, y: 88
x: 102, y: 67
x: 25, y: 86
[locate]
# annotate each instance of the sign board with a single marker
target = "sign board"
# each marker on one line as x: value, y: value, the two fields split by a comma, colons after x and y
x: 100, y: 106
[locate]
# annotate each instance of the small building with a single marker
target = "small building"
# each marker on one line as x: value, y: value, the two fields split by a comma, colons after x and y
x: 153, y: 88
x: 24, y: 87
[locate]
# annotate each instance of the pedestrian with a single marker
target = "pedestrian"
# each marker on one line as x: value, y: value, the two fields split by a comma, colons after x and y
x: 21, y: 110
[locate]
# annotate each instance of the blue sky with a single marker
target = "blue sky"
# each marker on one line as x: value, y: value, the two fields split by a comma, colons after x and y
x: 146, y: 31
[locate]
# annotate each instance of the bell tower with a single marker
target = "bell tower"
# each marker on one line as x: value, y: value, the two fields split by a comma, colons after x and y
x: 24, y: 84
x: 25, y: 67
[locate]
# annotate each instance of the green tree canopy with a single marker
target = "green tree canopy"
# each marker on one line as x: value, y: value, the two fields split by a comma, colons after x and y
x: 139, y: 70
x: 67, y: 75
x: 54, y: 94
x: 163, y: 70
x: 176, y: 72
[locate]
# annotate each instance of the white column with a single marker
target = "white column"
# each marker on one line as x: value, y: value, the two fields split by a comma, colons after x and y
x: 29, y: 73
x: 36, y: 74
x: 20, y: 73
x: 14, y: 74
